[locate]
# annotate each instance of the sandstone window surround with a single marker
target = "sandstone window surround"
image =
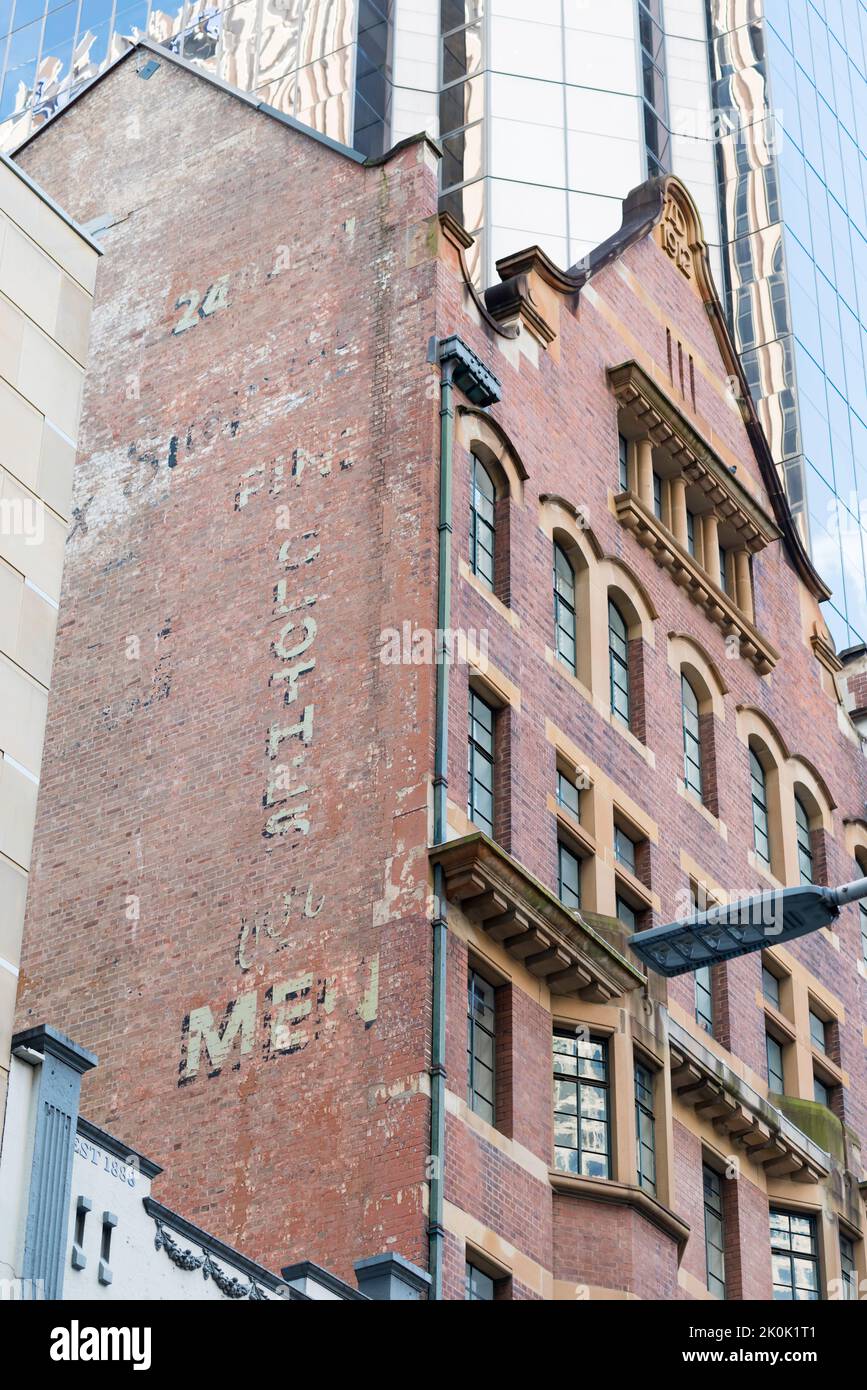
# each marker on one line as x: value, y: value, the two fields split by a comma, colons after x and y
x: 600, y: 581
x: 789, y: 782
x: 607, y: 825
x: 494, y: 481
x: 621, y: 1185
x: 806, y: 1025
x: 710, y: 525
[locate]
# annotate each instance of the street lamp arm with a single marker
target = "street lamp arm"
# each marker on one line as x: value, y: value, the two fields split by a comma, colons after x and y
x: 742, y: 926
x: 850, y: 892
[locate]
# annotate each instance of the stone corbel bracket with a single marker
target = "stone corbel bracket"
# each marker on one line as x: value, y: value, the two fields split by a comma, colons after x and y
x: 498, y: 894
x: 698, y: 585
x: 651, y: 413
x: 768, y: 1139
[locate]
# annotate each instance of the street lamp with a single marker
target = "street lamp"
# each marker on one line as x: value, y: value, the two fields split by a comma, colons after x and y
x: 747, y: 924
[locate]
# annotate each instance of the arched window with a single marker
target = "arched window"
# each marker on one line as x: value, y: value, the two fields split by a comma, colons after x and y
x: 482, y: 506
x: 564, y: 608
x: 692, y: 769
x: 618, y: 663
x: 805, y: 847
x: 761, y: 828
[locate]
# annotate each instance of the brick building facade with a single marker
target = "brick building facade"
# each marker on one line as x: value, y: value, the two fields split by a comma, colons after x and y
x: 236, y: 860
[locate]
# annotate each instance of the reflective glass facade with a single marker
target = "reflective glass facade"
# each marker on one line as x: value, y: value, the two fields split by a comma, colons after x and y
x: 548, y: 114
x: 794, y: 74
x: 299, y: 57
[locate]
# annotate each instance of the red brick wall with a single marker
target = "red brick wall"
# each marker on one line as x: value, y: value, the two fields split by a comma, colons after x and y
x: 613, y: 1247
x: 156, y: 767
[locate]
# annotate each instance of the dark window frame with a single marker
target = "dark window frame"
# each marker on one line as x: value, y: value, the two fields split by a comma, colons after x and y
x: 588, y: 1082
x: 693, y: 761
x: 564, y: 780
x: 565, y: 610
x: 619, y: 690
x: 771, y: 993
x: 479, y: 1286
x: 483, y: 529
x: 818, y: 1034
x: 479, y: 757
x: 771, y: 1059
x: 713, y: 1205
x: 704, y: 994
x: 657, y: 495
x: 806, y: 859
x: 786, y: 1227
x: 623, y: 462
x: 759, y: 799
x: 848, y: 1267
x: 565, y: 891
x: 645, y: 1126
x: 479, y: 1028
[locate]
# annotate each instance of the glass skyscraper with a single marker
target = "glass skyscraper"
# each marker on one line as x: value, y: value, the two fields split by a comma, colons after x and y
x: 548, y: 112
x: 795, y: 221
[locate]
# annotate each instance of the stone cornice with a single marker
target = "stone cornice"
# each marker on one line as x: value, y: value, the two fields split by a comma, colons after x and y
x: 530, y: 922
x: 513, y: 300
x: 50, y: 1043
x: 769, y: 1140
x: 656, y: 415
x: 825, y: 653
x: 689, y: 574
x: 624, y: 1194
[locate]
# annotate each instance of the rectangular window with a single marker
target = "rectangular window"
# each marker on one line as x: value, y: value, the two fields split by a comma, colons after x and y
x: 626, y: 913
x: 692, y: 759
x: 774, y: 1055
x: 480, y: 764
x: 724, y: 572
x: 581, y: 1110
x: 482, y: 515
x: 759, y: 795
x: 565, y: 623
x: 704, y: 998
x: 645, y: 1129
x: 481, y: 1020
x: 850, y: 1274
x: 690, y: 532
x: 821, y: 1092
x: 794, y: 1257
x: 770, y: 987
x: 657, y: 495
x: 624, y: 849
x: 623, y: 447
x: 714, y: 1232
x: 817, y: 1032
x: 805, y: 844
x: 568, y: 794
x: 568, y: 877
x: 479, y: 1286
x: 618, y: 664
